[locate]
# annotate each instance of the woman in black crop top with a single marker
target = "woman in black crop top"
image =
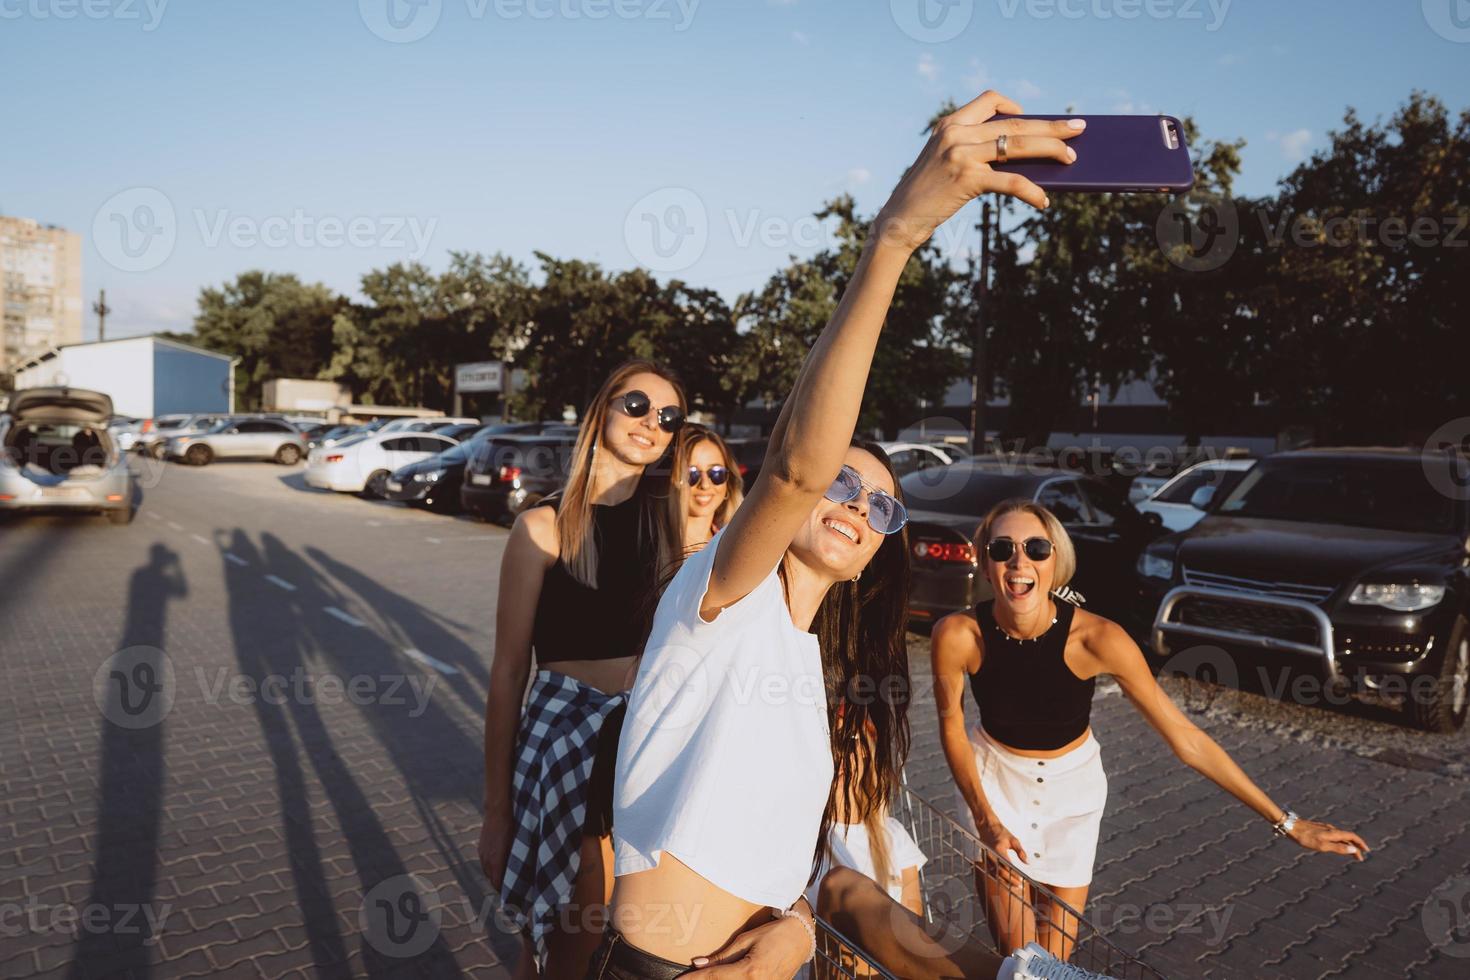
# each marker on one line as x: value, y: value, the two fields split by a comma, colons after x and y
x: 573, y: 580
x: 1029, y: 776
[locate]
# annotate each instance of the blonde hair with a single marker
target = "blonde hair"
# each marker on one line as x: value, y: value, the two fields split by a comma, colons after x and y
x: 574, y: 512
x: 690, y: 436
x: 1063, y: 552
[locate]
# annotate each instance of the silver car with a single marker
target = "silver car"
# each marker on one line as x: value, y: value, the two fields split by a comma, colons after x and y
x: 58, y: 455
x: 240, y: 438
x: 165, y: 427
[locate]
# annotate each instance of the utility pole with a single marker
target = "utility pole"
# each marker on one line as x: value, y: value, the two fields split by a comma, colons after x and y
x: 979, y: 369
x: 101, y: 309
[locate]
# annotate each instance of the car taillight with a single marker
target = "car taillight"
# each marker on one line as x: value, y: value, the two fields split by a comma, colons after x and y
x: 744, y: 469
x: 147, y: 425
x: 334, y: 458
x: 945, y: 551
x: 510, y: 473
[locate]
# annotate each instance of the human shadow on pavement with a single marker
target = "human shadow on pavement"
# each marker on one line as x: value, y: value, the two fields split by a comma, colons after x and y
x: 130, y: 772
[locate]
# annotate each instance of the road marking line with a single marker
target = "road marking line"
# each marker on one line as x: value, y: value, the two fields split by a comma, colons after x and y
x: 277, y: 580
x: 152, y: 515
x: 347, y: 618
x: 175, y: 525
x: 434, y: 662
x: 433, y: 540
x: 236, y: 559
x: 200, y: 538
x: 374, y: 523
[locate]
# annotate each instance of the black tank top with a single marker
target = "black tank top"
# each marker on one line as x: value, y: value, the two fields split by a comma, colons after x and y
x: 574, y: 622
x: 1028, y: 696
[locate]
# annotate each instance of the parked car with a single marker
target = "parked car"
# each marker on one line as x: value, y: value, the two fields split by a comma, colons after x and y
x: 459, y: 431
x: 1347, y: 563
x: 908, y: 457
x: 1181, y: 502
x: 947, y: 504
x: 426, y: 424
x: 364, y: 463
x: 433, y: 482
x: 506, y: 474
x: 125, y: 431
x: 250, y: 437
x: 154, y: 443
x: 547, y: 427
x: 58, y: 454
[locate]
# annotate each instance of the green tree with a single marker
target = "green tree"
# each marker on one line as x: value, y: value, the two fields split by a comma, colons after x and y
x: 277, y: 325
x: 918, y: 356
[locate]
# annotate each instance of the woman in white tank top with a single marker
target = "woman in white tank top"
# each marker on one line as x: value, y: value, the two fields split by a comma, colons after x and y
x: 728, y: 754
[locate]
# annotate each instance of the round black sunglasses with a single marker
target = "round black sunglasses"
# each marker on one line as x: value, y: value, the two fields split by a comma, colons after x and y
x: 635, y: 404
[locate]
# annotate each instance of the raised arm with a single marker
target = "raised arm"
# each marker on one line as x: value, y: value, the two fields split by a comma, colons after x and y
x: 1111, y: 645
x: 531, y: 550
x: 819, y: 416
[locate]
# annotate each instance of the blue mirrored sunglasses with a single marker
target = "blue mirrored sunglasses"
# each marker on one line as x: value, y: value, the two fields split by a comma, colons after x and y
x: 885, y: 514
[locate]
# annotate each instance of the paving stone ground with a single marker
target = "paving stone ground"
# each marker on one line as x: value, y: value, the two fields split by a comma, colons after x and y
x: 308, y: 802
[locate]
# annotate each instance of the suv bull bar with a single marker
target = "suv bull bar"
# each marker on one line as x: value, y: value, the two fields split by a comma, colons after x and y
x: 1323, y: 649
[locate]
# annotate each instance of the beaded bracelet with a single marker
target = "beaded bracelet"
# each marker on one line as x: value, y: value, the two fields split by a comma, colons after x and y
x: 811, y: 930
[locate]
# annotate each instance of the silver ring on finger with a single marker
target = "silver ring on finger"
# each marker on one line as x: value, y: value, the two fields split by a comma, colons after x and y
x: 1000, y: 148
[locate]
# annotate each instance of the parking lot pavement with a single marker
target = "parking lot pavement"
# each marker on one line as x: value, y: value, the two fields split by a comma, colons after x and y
x: 242, y: 737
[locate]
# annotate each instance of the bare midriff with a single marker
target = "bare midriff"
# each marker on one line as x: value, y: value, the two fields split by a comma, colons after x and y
x: 608, y: 676
x: 673, y: 912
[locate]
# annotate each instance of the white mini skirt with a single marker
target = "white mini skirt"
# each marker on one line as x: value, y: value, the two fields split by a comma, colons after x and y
x: 1054, y: 806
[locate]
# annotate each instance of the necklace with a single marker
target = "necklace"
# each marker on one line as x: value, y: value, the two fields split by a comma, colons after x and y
x: 1026, y: 639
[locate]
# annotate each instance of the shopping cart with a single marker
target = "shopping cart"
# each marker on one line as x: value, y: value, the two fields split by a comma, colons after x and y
x: 948, y: 883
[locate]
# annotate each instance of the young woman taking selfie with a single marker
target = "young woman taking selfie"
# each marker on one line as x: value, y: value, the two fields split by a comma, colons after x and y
x: 571, y: 578
x: 732, y: 742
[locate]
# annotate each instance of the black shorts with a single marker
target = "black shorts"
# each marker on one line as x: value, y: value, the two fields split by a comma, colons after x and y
x: 617, y: 959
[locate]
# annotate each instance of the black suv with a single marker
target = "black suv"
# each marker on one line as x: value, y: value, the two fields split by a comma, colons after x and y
x: 506, y: 474
x: 1351, y: 563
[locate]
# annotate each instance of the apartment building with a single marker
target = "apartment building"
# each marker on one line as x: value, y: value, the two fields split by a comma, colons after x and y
x: 40, y: 289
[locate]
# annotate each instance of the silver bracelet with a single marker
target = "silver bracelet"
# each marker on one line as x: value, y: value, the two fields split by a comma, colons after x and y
x: 811, y: 930
x: 1283, y: 826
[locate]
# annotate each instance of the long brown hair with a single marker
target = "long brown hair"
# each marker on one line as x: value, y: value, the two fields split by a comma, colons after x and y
x: 862, y: 629
x: 690, y: 436
x: 574, y: 512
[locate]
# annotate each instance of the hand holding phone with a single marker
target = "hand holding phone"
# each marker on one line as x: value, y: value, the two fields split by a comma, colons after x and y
x: 1120, y: 154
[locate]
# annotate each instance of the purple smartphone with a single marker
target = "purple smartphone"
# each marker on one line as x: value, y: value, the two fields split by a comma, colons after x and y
x: 1116, y: 153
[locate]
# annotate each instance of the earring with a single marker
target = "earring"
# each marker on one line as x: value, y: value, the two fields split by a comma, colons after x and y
x: 857, y: 576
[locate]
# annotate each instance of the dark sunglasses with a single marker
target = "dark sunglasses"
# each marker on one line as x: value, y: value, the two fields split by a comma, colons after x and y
x: 1001, y: 549
x: 885, y: 514
x: 717, y: 475
x: 635, y: 404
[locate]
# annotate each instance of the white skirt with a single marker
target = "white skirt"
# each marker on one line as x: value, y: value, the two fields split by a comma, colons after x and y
x: 1054, y: 806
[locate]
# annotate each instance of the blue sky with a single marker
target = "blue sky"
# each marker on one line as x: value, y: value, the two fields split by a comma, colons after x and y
x: 188, y: 141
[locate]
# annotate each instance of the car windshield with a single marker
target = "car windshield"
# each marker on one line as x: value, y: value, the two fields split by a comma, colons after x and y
x: 1389, y: 494
x: 1183, y: 486
x: 962, y: 489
